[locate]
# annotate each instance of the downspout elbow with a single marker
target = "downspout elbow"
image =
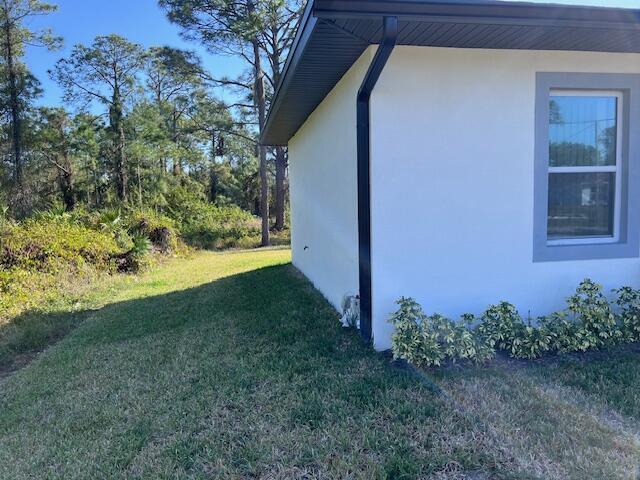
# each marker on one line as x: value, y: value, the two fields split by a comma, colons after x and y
x: 386, y: 46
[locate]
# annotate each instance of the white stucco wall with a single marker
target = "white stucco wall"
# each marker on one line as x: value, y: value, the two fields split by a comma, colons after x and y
x: 452, y: 183
x: 324, y: 196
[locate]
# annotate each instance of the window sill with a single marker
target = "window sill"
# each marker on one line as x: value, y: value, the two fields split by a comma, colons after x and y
x: 567, y: 242
x: 558, y: 252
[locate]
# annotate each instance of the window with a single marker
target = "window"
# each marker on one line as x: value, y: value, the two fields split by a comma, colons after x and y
x: 586, y: 205
x: 584, y: 167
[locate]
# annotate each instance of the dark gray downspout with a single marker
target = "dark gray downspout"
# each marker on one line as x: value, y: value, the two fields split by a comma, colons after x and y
x: 387, y: 45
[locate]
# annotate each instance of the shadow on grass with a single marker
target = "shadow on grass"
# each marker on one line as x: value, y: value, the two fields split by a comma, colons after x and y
x: 30, y: 333
x: 272, y: 309
x: 236, y: 378
x: 33, y: 331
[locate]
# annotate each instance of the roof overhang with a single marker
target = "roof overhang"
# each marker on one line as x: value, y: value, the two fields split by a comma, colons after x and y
x: 334, y: 33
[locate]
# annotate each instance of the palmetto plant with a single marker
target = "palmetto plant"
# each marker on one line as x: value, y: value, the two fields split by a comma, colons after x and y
x: 110, y: 220
x: 141, y: 246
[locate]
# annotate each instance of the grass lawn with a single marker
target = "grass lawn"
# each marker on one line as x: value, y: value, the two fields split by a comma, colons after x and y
x: 230, y: 365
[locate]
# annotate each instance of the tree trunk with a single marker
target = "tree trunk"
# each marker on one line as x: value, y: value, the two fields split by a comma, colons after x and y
x: 120, y: 163
x: 264, y: 196
x: 139, y: 184
x: 213, y: 185
x: 260, y: 101
x: 14, y: 104
x: 281, y: 152
x: 281, y: 191
x: 66, y: 183
x: 177, y: 162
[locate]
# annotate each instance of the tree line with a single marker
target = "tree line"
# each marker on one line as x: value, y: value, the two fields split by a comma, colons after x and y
x: 137, y: 123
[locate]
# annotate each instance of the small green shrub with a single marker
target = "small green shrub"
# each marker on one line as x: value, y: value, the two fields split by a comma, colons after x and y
x: 412, y: 340
x: 141, y: 246
x: 498, y: 325
x: 565, y: 335
x: 137, y: 257
x: 212, y: 227
x: 529, y: 342
x: 159, y: 229
x: 628, y: 302
x: 593, y: 312
x: 504, y: 329
x: 429, y: 340
x: 458, y: 340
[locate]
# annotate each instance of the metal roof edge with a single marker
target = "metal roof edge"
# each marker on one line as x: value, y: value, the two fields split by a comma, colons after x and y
x: 305, y: 29
x: 462, y: 11
x: 494, y: 9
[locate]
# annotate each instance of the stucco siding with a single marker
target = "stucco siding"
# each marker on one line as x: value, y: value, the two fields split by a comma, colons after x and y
x: 453, y: 183
x: 323, y: 178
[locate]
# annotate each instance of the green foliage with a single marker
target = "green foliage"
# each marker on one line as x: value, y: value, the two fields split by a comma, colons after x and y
x: 429, y: 340
x: 529, y: 342
x: 205, y: 225
x: 588, y: 322
x: 413, y: 340
x: 219, y: 227
x: 141, y: 246
x: 503, y: 328
x: 45, y: 255
x: 159, y: 230
x: 42, y: 259
x: 628, y: 302
x: 565, y: 335
x: 46, y: 244
x: 499, y: 322
x: 459, y: 341
x: 592, y: 312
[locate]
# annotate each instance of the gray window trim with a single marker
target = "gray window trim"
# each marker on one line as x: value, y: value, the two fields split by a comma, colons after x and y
x: 629, y: 244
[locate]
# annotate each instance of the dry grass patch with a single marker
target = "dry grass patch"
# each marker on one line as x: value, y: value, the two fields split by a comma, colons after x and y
x: 542, y: 428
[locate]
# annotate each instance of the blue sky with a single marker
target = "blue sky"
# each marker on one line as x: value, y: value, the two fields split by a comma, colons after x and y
x: 142, y: 21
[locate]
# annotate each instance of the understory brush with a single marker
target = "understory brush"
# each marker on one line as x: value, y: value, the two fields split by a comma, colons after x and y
x: 215, y: 226
x: 52, y: 259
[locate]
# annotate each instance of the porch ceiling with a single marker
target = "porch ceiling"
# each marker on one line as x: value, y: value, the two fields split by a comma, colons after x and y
x: 334, y: 33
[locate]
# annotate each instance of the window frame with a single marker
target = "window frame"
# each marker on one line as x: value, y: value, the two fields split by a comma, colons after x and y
x: 616, y: 169
x: 626, y: 240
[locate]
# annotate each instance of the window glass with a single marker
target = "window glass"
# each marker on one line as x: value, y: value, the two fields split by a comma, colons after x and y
x: 582, y: 130
x: 583, y: 166
x: 581, y: 205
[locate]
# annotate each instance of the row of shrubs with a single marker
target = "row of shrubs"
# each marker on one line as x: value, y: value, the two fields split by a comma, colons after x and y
x: 588, y: 322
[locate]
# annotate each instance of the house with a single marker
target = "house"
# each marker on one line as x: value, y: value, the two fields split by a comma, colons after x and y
x: 461, y: 152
